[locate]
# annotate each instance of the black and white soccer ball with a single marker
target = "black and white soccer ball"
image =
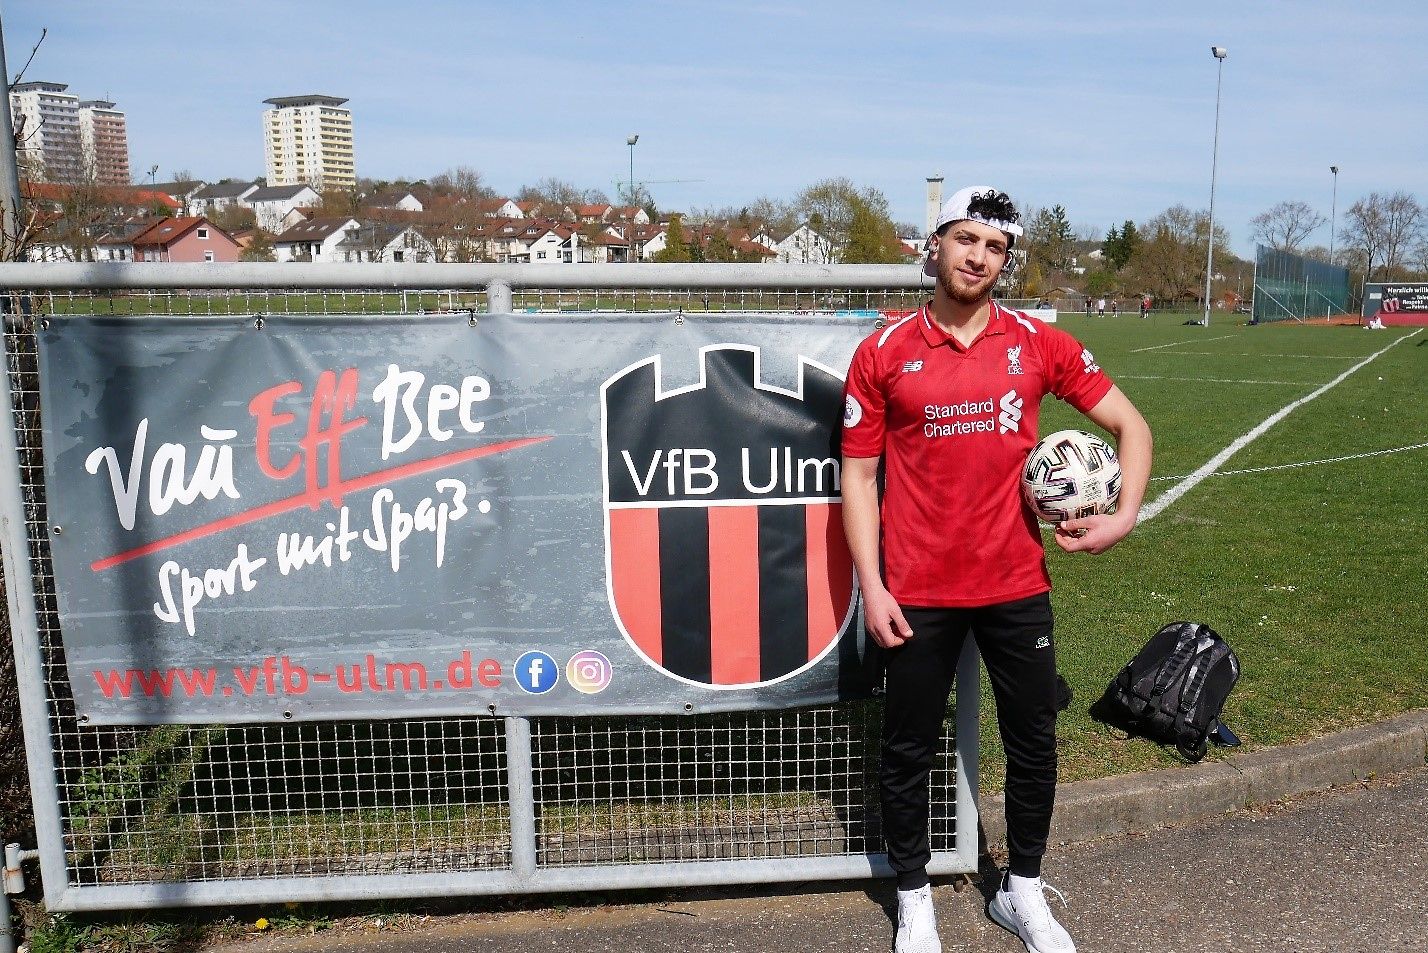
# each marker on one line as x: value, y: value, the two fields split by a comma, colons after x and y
x: 1071, y: 474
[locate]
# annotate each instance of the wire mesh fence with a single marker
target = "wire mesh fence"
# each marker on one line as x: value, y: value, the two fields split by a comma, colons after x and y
x: 237, y: 809
x: 1292, y: 287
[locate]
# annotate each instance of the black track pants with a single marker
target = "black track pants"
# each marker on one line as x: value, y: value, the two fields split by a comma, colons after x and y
x: 1015, y: 640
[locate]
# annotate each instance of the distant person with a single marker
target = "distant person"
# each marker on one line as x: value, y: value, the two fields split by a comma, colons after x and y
x: 1040, y: 303
x: 946, y: 549
x: 1101, y: 307
x: 1088, y: 306
x: 1145, y: 306
x: 1115, y: 308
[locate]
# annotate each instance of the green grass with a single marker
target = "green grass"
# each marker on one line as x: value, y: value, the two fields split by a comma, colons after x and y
x: 1314, y: 574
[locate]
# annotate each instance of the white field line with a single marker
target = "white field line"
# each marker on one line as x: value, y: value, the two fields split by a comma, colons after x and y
x: 1186, y: 341
x: 1159, y: 504
x: 1325, y: 357
x: 1200, y: 380
x: 1307, y: 463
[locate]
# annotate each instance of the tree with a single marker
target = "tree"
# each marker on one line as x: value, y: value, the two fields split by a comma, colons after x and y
x: 835, y: 201
x: 234, y: 218
x: 1049, y: 242
x: 1120, y: 245
x: 1383, y: 230
x: 559, y: 192
x: 1285, y: 226
x: 340, y: 203
x: 718, y: 248
x: 871, y: 239
x: 462, y: 181
x: 1169, y: 261
x: 259, y: 249
x: 675, y: 249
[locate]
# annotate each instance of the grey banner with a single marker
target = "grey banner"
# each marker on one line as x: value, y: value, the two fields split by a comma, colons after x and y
x: 337, y: 517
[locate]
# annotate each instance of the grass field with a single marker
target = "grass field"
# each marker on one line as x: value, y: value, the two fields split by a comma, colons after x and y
x: 1312, y: 566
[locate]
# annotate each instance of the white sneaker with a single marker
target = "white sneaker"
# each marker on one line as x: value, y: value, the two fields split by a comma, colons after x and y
x: 1023, y: 910
x: 916, y: 922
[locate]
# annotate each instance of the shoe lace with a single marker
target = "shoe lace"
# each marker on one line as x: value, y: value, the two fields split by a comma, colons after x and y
x: 1037, y: 913
x: 908, y: 912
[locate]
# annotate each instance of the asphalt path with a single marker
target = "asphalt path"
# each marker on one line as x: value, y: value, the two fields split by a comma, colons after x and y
x: 1342, y: 871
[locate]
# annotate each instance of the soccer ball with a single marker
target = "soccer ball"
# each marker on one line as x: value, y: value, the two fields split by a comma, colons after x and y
x: 1071, y: 474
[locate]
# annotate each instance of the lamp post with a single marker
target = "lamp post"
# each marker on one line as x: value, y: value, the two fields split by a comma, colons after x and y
x: 631, y: 143
x: 1333, y: 215
x: 1333, y: 211
x: 1219, y: 53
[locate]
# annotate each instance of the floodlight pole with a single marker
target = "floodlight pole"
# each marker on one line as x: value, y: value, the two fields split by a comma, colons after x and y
x: 631, y: 143
x: 1219, y: 53
x: 1333, y: 217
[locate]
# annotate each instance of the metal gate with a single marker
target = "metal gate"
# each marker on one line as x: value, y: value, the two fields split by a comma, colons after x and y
x: 198, y: 815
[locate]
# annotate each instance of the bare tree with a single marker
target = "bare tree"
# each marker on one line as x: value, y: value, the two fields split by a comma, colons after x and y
x: 1169, y: 261
x: 463, y: 181
x: 1383, y: 230
x: 1403, y: 229
x: 1285, y: 226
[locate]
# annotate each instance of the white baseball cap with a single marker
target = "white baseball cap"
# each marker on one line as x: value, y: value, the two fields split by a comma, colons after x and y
x: 956, y: 209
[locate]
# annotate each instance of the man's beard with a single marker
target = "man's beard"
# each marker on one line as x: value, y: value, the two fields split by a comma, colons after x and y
x: 964, y: 297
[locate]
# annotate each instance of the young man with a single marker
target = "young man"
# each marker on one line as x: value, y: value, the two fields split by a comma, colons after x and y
x: 947, y: 401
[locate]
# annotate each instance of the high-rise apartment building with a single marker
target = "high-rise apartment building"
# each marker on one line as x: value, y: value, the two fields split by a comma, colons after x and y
x: 104, y: 142
x: 60, y: 139
x: 308, y: 141
x: 47, y: 132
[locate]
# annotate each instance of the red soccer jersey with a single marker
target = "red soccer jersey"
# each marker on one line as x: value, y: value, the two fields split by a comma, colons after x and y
x: 954, y: 426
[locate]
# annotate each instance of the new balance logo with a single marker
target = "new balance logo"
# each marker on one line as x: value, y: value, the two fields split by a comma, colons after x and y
x: 911, y: 366
x: 1010, y: 419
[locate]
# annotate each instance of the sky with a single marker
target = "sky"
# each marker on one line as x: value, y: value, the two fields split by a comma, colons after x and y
x: 1107, y: 108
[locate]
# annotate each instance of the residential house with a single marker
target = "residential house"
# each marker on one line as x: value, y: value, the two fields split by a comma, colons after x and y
x: 646, y: 241
x: 180, y: 192
x: 190, y: 239
x: 804, y: 245
x: 500, y: 208
x: 212, y: 199
x: 404, y: 199
x: 117, y: 243
x: 313, y: 240
x: 600, y: 246
x: 271, y: 204
x: 384, y: 242
x: 546, y: 243
x: 55, y: 196
x: 630, y: 213
x: 598, y: 212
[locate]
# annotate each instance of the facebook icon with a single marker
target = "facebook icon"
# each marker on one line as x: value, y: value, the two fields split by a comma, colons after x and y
x: 536, y: 673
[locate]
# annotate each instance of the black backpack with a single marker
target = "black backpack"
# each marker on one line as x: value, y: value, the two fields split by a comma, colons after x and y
x: 1173, y: 691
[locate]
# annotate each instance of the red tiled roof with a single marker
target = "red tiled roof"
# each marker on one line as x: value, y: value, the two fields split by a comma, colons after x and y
x: 115, y: 194
x: 165, y: 231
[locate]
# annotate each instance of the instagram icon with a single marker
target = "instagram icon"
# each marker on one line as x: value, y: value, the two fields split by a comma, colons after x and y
x: 588, y: 672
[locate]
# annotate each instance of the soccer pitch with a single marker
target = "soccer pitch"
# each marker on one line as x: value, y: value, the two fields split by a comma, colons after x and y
x: 1304, y: 548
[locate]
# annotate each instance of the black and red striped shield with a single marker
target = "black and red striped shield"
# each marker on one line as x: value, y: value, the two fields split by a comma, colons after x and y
x: 726, y: 562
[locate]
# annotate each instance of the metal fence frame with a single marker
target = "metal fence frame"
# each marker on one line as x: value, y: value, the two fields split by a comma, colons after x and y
x: 46, y: 713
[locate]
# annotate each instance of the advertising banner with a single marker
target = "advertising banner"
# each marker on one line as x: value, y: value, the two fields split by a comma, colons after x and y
x: 372, y: 517
x: 1397, y: 304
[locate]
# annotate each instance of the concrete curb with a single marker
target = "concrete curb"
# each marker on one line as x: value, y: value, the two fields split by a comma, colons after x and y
x: 1086, y: 810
